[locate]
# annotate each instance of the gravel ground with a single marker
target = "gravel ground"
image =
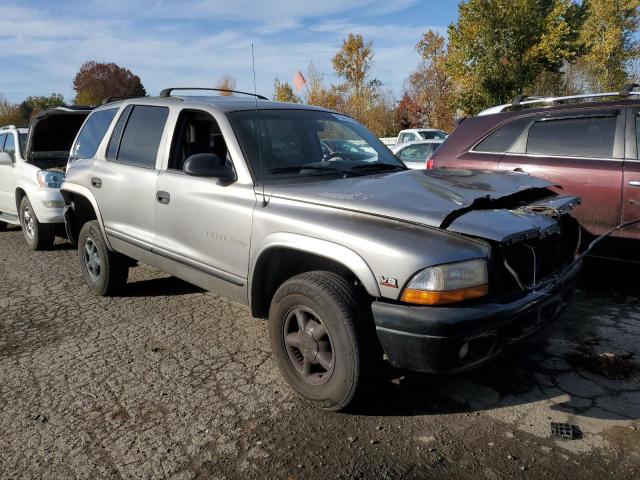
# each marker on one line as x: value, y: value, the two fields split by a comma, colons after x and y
x: 168, y: 381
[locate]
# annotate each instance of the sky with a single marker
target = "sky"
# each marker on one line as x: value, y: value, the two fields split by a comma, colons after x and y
x: 195, y: 42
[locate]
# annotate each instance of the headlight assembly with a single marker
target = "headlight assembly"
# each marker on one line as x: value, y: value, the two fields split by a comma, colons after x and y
x: 448, y: 283
x: 49, y: 179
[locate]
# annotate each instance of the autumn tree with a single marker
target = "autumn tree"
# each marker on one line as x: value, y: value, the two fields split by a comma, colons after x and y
x: 406, y: 113
x: 30, y: 106
x: 9, y: 113
x: 431, y: 86
x: 609, y: 37
x: 227, y: 82
x: 498, y: 48
x: 96, y: 81
x: 282, y: 92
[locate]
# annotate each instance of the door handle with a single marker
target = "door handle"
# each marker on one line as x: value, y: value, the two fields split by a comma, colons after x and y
x: 163, y: 197
x: 96, y: 182
x: 634, y: 183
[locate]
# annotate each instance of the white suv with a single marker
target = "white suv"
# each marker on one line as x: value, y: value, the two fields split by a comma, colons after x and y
x: 32, y: 168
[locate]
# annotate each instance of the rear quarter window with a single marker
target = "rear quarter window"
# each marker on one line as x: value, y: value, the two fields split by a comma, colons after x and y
x: 501, y: 139
x: 92, y: 133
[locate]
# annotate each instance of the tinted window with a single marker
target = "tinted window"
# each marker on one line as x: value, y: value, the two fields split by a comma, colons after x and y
x: 501, y: 139
x: 141, y: 136
x: 433, y: 135
x: 2, y: 139
x: 92, y: 133
x: 573, y: 137
x: 114, y: 141
x: 10, y: 146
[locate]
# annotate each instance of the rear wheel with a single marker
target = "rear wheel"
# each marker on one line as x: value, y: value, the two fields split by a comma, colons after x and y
x: 104, y: 270
x: 318, y: 334
x: 39, y: 236
x: 3, y: 226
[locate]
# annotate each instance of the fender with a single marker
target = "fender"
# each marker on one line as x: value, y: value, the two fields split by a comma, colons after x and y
x: 324, y: 248
x: 86, y: 193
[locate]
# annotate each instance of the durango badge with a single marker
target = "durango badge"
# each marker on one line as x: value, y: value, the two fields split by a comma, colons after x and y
x: 388, y: 281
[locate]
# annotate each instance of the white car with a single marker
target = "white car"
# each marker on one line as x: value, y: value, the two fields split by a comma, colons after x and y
x: 32, y: 169
x: 417, y: 134
x: 415, y: 154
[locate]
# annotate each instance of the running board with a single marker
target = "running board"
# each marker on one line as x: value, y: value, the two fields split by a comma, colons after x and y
x: 8, y: 218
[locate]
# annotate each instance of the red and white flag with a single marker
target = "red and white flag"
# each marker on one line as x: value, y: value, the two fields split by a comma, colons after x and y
x: 299, y: 81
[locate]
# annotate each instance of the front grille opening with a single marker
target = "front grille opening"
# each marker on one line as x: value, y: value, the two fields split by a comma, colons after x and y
x: 532, y: 261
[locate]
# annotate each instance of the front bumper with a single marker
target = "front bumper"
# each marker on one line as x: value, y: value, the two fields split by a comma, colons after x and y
x: 48, y: 204
x: 430, y: 339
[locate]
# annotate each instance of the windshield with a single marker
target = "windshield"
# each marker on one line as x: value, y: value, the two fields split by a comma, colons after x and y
x: 433, y: 135
x: 303, y: 143
x: 23, y: 143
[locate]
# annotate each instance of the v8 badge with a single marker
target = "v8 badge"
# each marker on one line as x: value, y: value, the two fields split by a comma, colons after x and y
x: 388, y: 282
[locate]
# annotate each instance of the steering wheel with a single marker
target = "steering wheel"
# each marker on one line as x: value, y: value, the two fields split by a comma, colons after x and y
x: 333, y: 155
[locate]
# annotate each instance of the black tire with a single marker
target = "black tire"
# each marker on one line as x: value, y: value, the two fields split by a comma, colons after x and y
x: 324, y: 298
x: 39, y: 236
x: 3, y: 226
x: 104, y: 270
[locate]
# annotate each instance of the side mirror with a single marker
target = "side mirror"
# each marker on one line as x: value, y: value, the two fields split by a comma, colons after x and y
x: 5, y: 159
x: 208, y: 165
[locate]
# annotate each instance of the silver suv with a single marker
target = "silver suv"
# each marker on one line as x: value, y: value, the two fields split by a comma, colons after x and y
x: 349, y: 255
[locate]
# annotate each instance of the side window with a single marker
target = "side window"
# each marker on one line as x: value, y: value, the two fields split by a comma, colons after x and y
x: 573, y: 137
x: 141, y: 136
x: 196, y: 132
x: 501, y: 139
x: 116, y: 135
x: 403, y: 137
x: 92, y: 133
x: 2, y: 139
x: 10, y: 146
x: 415, y: 153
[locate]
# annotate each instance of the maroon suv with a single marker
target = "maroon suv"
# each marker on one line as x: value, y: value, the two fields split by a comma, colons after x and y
x: 587, y: 148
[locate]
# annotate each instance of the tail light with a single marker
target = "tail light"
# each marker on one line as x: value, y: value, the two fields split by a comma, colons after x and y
x: 429, y: 164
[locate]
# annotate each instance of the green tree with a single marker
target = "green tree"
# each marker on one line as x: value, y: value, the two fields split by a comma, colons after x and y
x: 609, y: 37
x: 227, y: 82
x: 96, y: 81
x: 431, y: 86
x: 9, y: 113
x: 353, y: 62
x: 282, y: 92
x: 498, y: 48
x: 32, y: 105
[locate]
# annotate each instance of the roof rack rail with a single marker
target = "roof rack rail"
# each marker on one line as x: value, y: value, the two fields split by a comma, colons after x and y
x: 167, y: 91
x: 521, y: 100
x: 116, y: 98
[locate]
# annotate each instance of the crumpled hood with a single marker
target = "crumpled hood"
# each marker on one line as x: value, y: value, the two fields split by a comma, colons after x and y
x: 441, y: 198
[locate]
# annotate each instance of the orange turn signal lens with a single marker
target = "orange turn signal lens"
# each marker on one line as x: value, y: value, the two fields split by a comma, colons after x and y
x: 425, y: 297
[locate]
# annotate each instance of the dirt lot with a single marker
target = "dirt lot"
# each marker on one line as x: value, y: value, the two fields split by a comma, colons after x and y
x: 172, y: 382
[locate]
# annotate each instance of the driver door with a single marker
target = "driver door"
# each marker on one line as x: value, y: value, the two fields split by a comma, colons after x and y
x: 203, y: 223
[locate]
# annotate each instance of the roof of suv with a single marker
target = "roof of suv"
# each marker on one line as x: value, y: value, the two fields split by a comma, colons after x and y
x: 224, y: 104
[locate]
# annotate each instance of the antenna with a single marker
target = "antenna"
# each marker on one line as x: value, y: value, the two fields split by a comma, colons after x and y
x: 255, y: 89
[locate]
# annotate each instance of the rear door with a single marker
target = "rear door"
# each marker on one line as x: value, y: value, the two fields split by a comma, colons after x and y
x: 631, y: 176
x: 582, y: 153
x: 125, y: 184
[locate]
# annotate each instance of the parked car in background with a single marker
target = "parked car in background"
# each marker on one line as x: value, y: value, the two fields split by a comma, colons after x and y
x: 32, y: 166
x: 347, y: 257
x: 416, y: 154
x: 585, y: 145
x: 417, y: 134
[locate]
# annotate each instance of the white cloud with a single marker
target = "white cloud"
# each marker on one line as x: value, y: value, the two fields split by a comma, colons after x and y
x: 48, y: 45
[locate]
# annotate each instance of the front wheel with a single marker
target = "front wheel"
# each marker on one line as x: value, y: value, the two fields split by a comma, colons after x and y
x: 104, y: 270
x: 318, y: 334
x: 39, y: 236
x: 3, y: 226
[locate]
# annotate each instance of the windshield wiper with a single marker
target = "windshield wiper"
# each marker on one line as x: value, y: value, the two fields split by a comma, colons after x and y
x: 297, y: 168
x: 377, y: 166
